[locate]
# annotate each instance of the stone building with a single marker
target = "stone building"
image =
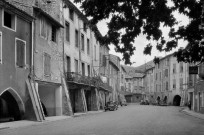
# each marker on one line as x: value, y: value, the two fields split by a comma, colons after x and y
x: 178, y: 82
x: 15, y: 63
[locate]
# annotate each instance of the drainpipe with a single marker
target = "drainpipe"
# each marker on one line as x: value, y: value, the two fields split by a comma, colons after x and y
x: 32, y: 51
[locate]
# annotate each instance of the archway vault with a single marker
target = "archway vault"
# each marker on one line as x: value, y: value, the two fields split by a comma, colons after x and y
x: 16, y: 97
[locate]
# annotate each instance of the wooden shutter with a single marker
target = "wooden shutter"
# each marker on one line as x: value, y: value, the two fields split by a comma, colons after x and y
x: 47, y: 68
x: 20, y: 53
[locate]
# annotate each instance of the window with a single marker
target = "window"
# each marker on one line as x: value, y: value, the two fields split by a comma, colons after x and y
x: 76, y: 66
x: 166, y: 72
x: 82, y: 42
x: 181, y: 83
x: 174, y: 83
x: 88, y: 47
x: 0, y: 47
x: 181, y: 67
x: 100, y: 60
x: 95, y: 53
x: 167, y: 86
x: 9, y: 20
x: 191, y: 80
x: 67, y: 32
x: 76, y: 38
x: 174, y: 68
x: 53, y: 36
x: 89, y: 70
x: 43, y: 28
x: 68, y: 64
x: 47, y: 64
x: 85, y: 27
x: 20, y: 53
x: 156, y: 76
x: 129, y: 86
x: 83, y: 68
x: 71, y: 14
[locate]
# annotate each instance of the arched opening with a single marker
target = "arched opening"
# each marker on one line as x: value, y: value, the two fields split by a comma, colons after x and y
x: 11, y: 106
x: 165, y: 99
x: 177, y: 100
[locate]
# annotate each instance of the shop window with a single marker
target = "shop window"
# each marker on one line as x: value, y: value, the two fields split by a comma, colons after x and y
x: 20, y: 53
x: 9, y: 20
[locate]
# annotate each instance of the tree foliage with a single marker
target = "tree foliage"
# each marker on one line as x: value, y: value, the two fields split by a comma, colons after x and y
x: 145, y: 16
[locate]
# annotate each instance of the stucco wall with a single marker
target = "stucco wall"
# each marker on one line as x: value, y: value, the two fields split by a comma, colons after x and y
x: 10, y: 75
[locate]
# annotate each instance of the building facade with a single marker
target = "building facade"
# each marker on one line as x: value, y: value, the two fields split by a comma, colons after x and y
x: 15, y: 63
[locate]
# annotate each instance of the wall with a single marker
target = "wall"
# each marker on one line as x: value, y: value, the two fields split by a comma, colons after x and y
x: 10, y: 75
x: 45, y: 45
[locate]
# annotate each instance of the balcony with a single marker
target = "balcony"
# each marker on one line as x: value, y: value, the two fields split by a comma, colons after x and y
x: 73, y: 77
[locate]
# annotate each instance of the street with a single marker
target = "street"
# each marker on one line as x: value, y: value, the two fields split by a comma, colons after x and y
x: 129, y: 120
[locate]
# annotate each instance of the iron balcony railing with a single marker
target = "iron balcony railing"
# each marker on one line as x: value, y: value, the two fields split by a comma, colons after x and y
x: 87, y: 80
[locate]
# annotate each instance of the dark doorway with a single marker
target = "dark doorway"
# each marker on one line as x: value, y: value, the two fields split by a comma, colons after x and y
x: 9, y: 109
x: 72, y: 93
x: 177, y: 100
x: 44, y: 109
x: 88, y: 99
x: 165, y: 99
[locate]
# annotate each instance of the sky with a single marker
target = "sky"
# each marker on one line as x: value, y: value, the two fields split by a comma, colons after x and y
x: 140, y: 42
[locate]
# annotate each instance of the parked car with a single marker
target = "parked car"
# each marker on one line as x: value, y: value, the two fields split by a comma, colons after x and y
x: 144, y: 102
x: 123, y: 103
x: 111, y: 106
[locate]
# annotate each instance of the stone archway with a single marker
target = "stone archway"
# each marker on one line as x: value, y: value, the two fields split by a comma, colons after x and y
x: 12, y: 106
x: 176, y: 100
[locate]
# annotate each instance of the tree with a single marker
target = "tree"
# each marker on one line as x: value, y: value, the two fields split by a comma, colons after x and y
x: 146, y: 16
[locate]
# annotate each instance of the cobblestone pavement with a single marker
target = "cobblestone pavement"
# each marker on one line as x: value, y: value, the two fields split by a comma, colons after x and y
x: 130, y: 120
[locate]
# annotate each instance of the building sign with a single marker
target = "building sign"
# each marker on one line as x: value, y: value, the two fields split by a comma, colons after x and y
x: 193, y: 70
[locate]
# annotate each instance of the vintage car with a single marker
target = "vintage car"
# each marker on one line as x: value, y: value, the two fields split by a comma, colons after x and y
x: 111, y: 106
x: 123, y: 103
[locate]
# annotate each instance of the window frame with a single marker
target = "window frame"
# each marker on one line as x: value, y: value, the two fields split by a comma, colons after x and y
x: 15, y: 20
x: 16, y: 53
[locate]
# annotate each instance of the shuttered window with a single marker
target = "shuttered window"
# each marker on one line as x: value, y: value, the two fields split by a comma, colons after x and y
x: 67, y: 32
x: 0, y: 47
x: 47, y: 64
x: 43, y: 28
x: 82, y: 42
x: 88, y: 46
x: 20, y: 53
x: 76, y: 38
